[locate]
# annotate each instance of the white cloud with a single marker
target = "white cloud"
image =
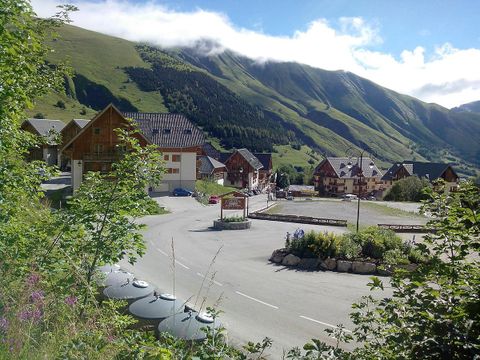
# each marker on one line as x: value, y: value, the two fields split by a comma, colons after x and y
x: 450, y: 77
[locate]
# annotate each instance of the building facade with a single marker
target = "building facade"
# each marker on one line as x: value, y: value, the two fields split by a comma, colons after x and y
x: 68, y: 133
x: 243, y: 170
x: 424, y: 170
x: 337, y: 176
x: 49, y: 132
x: 97, y: 146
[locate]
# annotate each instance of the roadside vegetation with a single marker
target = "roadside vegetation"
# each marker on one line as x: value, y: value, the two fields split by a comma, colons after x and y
x: 374, y: 244
x: 410, y: 188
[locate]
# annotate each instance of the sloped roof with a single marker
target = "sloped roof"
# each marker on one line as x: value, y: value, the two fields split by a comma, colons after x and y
x: 223, y: 156
x: 250, y: 158
x: 344, y: 170
x: 209, y: 150
x: 168, y: 130
x: 208, y: 164
x: 81, y: 123
x: 43, y: 126
x: 265, y: 159
x: 429, y: 170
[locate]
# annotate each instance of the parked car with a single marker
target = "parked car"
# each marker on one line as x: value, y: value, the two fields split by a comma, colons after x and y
x: 182, y: 192
x: 214, y: 199
x: 349, y: 197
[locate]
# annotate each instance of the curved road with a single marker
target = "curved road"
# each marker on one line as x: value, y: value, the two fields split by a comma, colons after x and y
x: 258, y: 299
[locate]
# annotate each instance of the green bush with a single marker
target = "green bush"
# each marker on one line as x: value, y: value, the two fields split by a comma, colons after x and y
x: 408, y: 189
x: 348, y: 248
x: 395, y: 257
x: 299, y: 243
x: 325, y: 244
x: 233, y: 219
x: 376, y: 241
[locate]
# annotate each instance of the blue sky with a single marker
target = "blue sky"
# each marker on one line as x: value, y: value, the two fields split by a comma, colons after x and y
x: 403, y: 24
x: 427, y: 49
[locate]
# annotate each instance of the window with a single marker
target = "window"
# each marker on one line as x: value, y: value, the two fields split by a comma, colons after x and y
x: 98, y: 148
x: 96, y: 131
x: 173, y: 171
x: 187, y: 131
x: 167, y: 131
x: 175, y: 158
x: 155, y: 132
x: 166, y: 157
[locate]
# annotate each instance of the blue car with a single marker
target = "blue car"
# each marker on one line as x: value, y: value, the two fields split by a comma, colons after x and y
x: 182, y: 192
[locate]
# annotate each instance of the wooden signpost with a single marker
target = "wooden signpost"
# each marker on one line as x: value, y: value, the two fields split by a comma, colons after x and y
x: 234, y: 200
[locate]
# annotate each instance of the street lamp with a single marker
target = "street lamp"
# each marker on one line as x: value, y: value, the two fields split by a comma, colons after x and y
x: 359, y: 175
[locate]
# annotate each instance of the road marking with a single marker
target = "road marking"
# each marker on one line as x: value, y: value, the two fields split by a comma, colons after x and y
x: 213, y: 281
x: 259, y: 301
x: 162, y: 252
x: 323, y: 323
x: 182, y: 265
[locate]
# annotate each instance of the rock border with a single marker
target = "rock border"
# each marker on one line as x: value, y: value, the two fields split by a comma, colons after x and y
x: 239, y: 225
x: 283, y: 257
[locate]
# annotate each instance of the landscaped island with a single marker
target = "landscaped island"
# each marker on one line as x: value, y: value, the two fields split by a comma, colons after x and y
x: 370, y: 251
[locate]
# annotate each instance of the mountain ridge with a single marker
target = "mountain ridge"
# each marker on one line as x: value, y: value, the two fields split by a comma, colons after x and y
x: 327, y: 111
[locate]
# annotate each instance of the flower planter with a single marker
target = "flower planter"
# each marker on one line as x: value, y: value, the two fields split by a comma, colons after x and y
x: 238, y: 225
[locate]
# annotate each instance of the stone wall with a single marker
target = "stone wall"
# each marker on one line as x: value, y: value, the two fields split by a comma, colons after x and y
x: 241, y: 225
x: 282, y: 257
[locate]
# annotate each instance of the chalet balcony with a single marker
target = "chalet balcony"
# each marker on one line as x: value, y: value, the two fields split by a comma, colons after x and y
x: 107, y: 156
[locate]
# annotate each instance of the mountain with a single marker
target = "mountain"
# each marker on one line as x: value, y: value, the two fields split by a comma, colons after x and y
x: 469, y: 107
x: 296, y: 110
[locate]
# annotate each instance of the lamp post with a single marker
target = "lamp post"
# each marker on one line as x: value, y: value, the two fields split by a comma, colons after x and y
x: 359, y: 175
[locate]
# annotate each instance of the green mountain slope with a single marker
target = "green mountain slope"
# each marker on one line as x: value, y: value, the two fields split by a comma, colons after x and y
x: 262, y: 106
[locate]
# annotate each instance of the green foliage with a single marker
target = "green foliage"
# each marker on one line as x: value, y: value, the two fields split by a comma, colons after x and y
x: 208, y: 187
x: 231, y: 219
x: 208, y: 103
x: 60, y: 104
x: 439, y: 302
x: 376, y: 241
x: 408, y: 189
x: 325, y: 244
x: 349, y: 248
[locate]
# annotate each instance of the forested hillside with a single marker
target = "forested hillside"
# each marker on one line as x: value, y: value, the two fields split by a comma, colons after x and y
x: 240, y: 102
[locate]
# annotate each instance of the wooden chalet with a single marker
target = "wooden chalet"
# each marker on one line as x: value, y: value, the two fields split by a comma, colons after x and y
x: 424, y: 170
x: 265, y: 173
x: 49, y: 133
x: 97, y: 146
x: 336, y: 176
x: 210, y: 169
x: 243, y: 169
x: 68, y: 133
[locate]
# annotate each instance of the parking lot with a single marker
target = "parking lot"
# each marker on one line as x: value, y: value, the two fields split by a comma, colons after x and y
x: 371, y: 212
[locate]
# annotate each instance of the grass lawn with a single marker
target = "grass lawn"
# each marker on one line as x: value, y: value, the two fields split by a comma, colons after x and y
x: 211, y: 188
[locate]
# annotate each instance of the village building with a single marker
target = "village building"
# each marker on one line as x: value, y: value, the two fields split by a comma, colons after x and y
x: 265, y: 173
x: 70, y: 130
x: 210, y: 169
x: 424, y: 170
x: 97, y: 146
x: 49, y: 133
x: 337, y: 176
x: 243, y: 169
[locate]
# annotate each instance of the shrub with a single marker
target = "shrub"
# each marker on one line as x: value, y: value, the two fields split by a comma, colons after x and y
x: 408, y: 189
x: 233, y: 219
x: 325, y: 244
x: 395, y: 257
x: 376, y: 241
x: 299, y: 243
x: 348, y: 248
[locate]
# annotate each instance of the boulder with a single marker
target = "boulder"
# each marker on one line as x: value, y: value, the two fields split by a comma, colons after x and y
x: 278, y: 255
x: 328, y: 264
x: 308, y: 263
x: 291, y: 260
x: 361, y: 267
x: 408, y: 267
x: 344, y: 266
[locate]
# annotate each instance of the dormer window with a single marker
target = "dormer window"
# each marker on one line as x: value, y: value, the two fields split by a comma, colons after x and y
x: 187, y: 131
x: 167, y: 131
x: 155, y: 132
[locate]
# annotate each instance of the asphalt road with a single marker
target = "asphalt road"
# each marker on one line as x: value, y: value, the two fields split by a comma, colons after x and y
x: 230, y: 269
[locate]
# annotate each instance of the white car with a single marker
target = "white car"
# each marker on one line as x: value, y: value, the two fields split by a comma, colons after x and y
x: 349, y: 197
